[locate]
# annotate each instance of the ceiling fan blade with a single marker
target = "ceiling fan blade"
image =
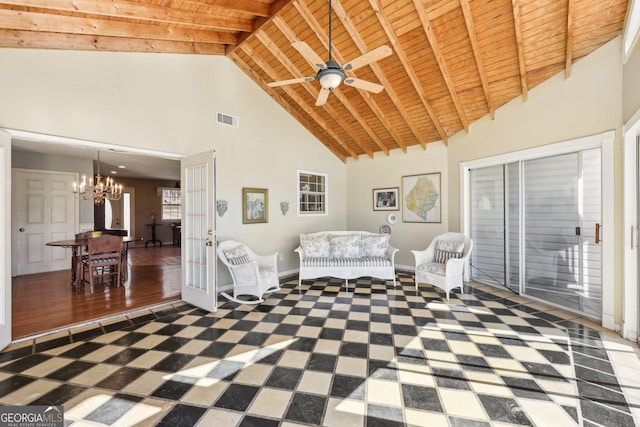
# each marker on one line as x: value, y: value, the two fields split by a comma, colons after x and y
x: 309, y: 54
x: 291, y: 81
x: 363, y: 84
x: 369, y: 57
x: 322, y: 97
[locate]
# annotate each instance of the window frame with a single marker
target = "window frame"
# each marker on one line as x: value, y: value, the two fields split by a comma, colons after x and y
x: 170, y: 218
x: 321, y: 179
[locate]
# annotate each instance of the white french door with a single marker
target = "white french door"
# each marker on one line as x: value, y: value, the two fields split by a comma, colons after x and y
x: 198, y: 231
x: 5, y: 238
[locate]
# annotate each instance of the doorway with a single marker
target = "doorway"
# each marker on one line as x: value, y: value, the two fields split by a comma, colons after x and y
x: 536, y: 220
x: 120, y: 214
x: 146, y: 263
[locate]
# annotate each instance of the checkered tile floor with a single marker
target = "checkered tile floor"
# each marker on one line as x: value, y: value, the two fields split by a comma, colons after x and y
x: 320, y: 355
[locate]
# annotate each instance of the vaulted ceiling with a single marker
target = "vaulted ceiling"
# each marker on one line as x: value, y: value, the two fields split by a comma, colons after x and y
x: 451, y: 63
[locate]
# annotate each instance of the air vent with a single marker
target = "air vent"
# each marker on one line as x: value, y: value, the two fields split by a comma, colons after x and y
x: 226, y: 119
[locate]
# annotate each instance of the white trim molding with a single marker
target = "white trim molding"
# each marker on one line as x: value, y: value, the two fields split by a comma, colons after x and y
x: 630, y: 308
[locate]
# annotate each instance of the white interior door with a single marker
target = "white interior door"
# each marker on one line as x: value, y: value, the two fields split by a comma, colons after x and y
x: 44, y: 210
x: 198, y: 231
x: 5, y: 246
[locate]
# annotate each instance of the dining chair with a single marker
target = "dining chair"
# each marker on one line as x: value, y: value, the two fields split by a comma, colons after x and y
x: 104, y: 258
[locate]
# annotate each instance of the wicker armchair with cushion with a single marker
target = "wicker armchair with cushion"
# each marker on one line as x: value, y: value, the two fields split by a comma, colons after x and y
x: 442, y: 264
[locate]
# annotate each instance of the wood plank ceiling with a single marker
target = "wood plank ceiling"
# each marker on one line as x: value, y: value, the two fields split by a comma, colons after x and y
x: 453, y: 61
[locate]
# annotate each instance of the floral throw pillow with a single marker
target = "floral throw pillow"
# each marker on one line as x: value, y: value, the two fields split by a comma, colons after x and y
x: 314, y: 246
x: 374, y: 245
x: 345, y: 246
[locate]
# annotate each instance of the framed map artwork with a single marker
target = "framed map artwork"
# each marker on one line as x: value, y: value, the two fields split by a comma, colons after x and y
x: 421, y: 198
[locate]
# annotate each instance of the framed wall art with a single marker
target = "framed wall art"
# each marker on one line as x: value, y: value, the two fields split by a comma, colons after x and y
x: 421, y: 198
x: 385, y: 199
x: 255, y: 205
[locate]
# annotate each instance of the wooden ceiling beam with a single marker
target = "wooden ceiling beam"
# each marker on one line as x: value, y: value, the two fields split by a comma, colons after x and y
x: 475, y: 45
x: 29, y: 21
x: 44, y: 40
x: 323, y: 37
x: 291, y: 109
x: 442, y: 64
x: 137, y: 11
x: 261, y: 22
x: 570, y: 30
x: 377, y: 70
x: 308, y: 108
x: 520, y: 47
x: 289, y: 65
x: 250, y: 7
x: 399, y: 50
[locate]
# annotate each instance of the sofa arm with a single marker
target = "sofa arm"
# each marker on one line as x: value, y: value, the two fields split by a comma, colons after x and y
x: 422, y: 257
x: 391, y: 253
x: 300, y: 252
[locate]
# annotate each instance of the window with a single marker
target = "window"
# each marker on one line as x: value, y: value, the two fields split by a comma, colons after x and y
x: 171, y: 204
x: 312, y: 193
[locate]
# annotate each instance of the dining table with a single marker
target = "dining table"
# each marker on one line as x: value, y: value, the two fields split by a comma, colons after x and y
x: 76, y: 245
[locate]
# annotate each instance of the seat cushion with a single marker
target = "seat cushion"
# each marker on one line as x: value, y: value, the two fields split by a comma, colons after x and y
x: 347, y: 262
x: 433, y: 267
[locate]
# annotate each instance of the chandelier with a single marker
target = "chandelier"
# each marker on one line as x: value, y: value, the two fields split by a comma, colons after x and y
x: 98, y: 191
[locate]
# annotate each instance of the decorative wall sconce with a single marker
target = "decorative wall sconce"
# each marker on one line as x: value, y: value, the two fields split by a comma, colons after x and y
x: 221, y: 207
x: 284, y: 207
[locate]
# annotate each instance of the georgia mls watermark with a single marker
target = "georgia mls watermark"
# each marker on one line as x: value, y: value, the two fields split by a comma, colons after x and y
x: 31, y: 416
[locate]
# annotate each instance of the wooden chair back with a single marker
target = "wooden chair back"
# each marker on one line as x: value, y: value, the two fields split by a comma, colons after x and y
x: 104, y: 258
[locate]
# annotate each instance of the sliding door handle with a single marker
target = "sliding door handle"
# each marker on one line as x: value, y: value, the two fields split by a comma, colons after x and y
x: 597, y: 233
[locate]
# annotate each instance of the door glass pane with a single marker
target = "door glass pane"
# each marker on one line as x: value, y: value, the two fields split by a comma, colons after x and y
x: 487, y: 224
x: 195, y: 199
x: 512, y: 191
x: 552, y: 246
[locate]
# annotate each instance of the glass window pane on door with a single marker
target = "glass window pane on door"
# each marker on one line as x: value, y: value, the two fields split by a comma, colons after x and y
x: 562, y: 205
x: 487, y: 224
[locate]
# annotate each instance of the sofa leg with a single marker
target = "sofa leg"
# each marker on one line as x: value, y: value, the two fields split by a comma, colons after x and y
x: 346, y: 284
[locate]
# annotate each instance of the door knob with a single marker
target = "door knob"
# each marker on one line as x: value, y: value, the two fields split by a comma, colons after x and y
x: 22, y: 230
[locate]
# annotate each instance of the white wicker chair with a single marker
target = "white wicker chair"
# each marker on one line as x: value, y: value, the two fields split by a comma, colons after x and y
x: 252, y: 274
x: 445, y: 275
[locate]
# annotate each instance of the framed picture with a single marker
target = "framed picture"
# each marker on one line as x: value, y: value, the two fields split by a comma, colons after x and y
x: 255, y: 205
x: 421, y: 198
x: 385, y: 199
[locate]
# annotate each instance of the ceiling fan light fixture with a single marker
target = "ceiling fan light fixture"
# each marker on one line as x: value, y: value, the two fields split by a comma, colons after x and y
x: 331, y: 77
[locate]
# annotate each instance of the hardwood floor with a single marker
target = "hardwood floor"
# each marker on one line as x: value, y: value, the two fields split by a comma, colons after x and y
x: 46, y: 301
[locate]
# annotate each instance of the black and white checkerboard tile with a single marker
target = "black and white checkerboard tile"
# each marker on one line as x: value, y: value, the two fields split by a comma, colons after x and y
x: 319, y: 355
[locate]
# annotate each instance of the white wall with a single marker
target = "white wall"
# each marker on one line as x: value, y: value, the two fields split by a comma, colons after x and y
x: 168, y: 103
x: 631, y: 84
x: 559, y: 109
x: 383, y: 171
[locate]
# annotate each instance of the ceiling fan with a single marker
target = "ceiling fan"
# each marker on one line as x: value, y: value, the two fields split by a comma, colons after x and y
x: 330, y: 74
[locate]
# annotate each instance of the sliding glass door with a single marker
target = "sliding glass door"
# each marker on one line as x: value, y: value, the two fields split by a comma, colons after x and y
x: 535, y: 227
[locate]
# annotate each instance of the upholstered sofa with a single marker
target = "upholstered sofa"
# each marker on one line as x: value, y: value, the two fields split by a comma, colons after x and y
x: 346, y: 255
